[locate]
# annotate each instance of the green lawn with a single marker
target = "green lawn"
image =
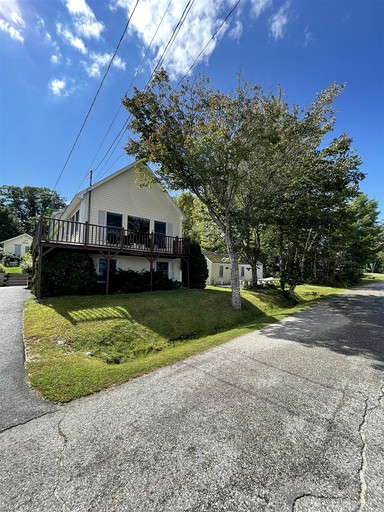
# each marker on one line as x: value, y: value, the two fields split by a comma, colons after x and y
x: 78, y: 345
x: 13, y: 270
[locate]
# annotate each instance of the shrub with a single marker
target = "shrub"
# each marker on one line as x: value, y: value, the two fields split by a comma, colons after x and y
x: 130, y: 281
x: 66, y: 273
x: 198, y: 270
x: 8, y: 259
x: 2, y: 268
x: 26, y: 264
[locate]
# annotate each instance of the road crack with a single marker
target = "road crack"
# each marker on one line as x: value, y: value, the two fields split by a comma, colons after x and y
x: 364, y: 459
x: 64, y: 439
x: 316, y: 497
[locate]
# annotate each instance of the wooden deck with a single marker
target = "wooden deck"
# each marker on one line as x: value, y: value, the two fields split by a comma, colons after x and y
x: 55, y: 233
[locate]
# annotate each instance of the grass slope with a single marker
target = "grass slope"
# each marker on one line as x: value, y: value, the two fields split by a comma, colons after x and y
x: 78, y: 345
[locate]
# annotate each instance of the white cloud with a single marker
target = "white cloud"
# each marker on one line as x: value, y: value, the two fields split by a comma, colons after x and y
x: 58, y: 87
x: 72, y: 40
x: 99, y: 61
x: 258, y: 6
x: 84, y: 19
x: 308, y: 37
x: 55, y: 59
x: 279, y: 21
x: 201, y: 23
x: 237, y: 30
x: 11, y: 21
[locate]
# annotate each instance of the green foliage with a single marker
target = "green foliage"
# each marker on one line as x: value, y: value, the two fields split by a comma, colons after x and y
x: 66, y: 273
x: 198, y: 270
x: 253, y: 161
x: 8, y: 259
x: 9, y: 224
x: 25, y: 204
x: 2, y: 268
x: 130, y: 281
x: 26, y: 264
x: 199, y: 225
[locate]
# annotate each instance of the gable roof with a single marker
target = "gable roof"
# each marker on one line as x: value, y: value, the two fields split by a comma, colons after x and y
x: 18, y: 236
x: 79, y: 196
x: 217, y: 257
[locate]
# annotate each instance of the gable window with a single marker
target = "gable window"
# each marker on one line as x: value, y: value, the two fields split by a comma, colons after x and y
x: 221, y: 271
x: 138, y: 224
x: 160, y: 232
x: 114, y: 225
x: 162, y: 266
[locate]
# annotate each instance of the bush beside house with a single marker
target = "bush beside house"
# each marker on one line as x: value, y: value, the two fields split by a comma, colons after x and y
x: 66, y: 273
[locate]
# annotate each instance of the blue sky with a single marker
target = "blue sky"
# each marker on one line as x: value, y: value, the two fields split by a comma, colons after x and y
x: 54, y: 53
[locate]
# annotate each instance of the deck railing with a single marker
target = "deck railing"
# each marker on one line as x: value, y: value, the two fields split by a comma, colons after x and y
x: 79, y: 234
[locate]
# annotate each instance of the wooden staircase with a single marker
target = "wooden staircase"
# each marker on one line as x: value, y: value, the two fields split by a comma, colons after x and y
x: 16, y: 280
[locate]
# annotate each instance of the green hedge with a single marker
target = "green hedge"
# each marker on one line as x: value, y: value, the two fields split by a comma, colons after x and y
x: 66, y: 273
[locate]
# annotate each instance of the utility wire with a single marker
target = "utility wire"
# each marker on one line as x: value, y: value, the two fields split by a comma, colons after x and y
x: 209, y: 42
x: 126, y: 93
x: 120, y: 134
x: 160, y: 61
x: 97, y: 93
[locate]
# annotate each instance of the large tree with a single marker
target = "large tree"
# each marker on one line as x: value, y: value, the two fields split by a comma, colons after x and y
x: 28, y: 203
x: 197, y: 137
x: 251, y: 159
x: 9, y: 225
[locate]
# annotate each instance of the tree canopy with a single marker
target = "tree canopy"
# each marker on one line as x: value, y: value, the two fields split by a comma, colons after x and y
x: 252, y: 160
x: 24, y: 205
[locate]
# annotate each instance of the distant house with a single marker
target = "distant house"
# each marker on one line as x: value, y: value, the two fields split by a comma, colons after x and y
x: 120, y: 226
x: 219, y: 269
x: 18, y: 245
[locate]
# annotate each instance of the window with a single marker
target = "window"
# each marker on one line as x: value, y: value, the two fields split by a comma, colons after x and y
x: 114, y: 225
x: 138, y: 225
x: 160, y: 232
x: 242, y: 271
x: 74, y: 219
x: 103, y: 265
x: 162, y: 266
x: 114, y: 219
x: 221, y: 271
x: 17, y: 250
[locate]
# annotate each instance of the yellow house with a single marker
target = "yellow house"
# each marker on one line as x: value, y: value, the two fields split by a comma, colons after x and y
x: 18, y: 245
x: 219, y: 269
x: 120, y: 225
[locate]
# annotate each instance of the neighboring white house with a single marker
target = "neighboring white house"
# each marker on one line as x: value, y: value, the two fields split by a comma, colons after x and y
x: 219, y: 269
x: 116, y: 219
x: 18, y: 245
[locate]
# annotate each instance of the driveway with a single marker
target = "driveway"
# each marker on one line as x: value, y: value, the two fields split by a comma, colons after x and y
x: 288, y: 418
x: 18, y: 403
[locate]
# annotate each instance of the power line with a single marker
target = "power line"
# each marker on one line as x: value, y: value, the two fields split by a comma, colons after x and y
x: 97, y: 93
x: 209, y: 42
x: 168, y: 46
x: 120, y: 134
x: 126, y: 92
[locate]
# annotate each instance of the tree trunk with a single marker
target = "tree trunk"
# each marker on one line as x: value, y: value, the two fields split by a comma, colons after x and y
x: 281, y: 262
x: 235, y: 278
x: 254, y: 274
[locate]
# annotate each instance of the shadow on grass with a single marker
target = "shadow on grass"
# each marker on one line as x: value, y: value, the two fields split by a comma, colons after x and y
x: 352, y: 325
x: 174, y: 315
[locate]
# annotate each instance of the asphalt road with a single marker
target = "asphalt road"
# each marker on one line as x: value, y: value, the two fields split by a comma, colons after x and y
x: 18, y: 404
x: 289, y: 418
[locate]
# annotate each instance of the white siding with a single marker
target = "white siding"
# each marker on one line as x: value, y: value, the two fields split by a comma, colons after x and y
x: 121, y: 195
x: 24, y: 240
